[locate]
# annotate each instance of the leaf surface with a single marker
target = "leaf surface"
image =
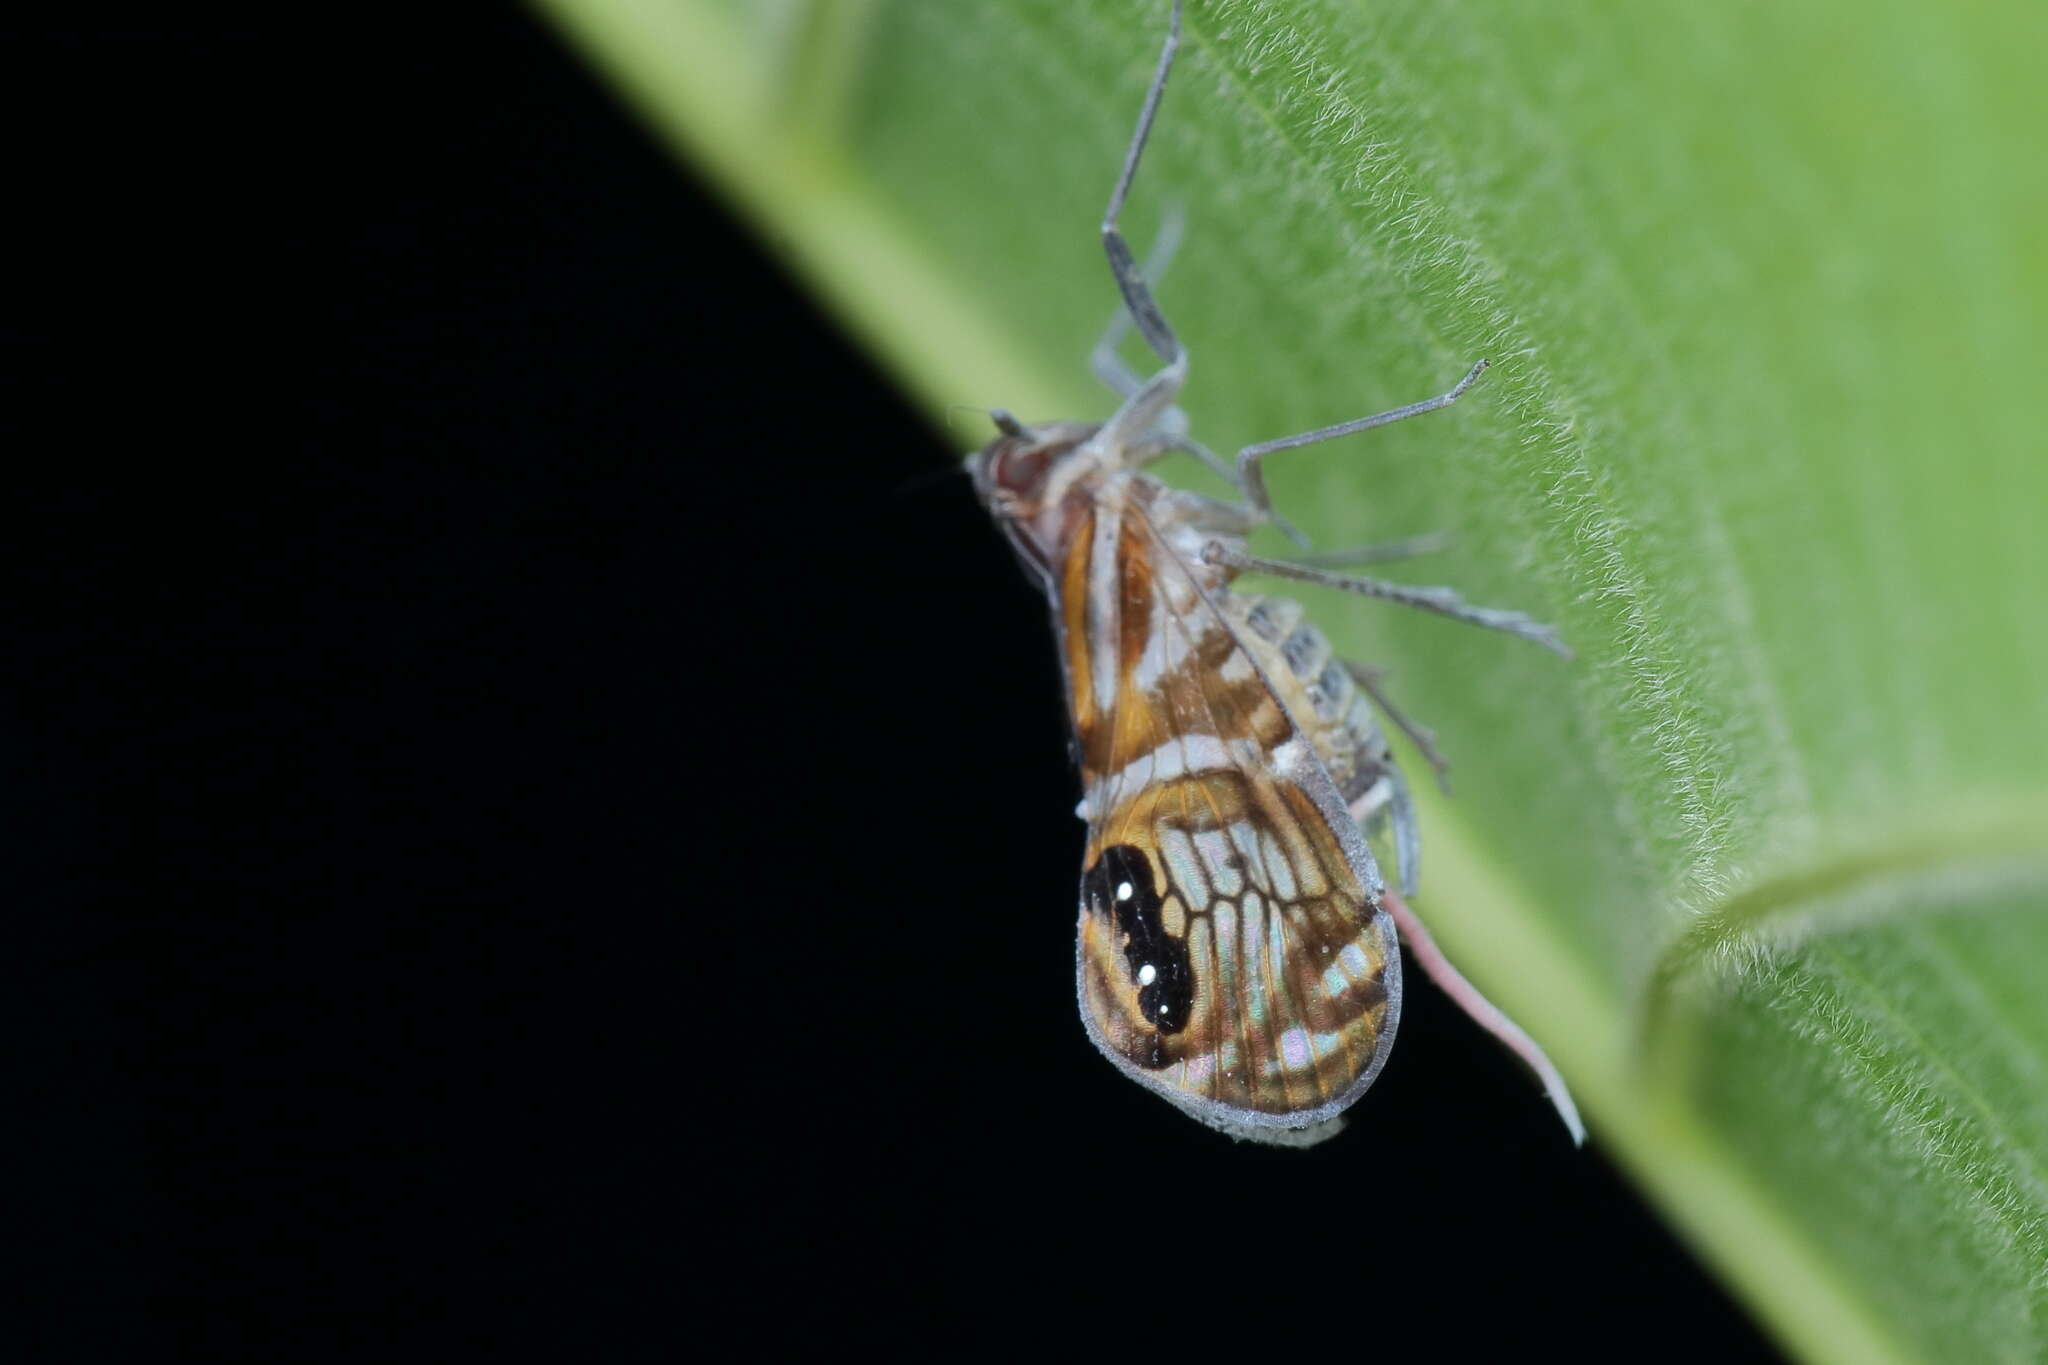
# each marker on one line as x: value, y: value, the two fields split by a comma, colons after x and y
x: 1766, y: 867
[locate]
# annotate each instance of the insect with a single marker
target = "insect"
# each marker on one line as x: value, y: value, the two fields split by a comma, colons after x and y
x: 1238, y: 947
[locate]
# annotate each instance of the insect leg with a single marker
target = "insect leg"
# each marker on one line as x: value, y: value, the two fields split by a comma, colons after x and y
x: 1424, y: 740
x: 1214, y: 463
x: 1131, y: 428
x: 1442, y: 601
x: 1483, y: 1011
x: 1111, y: 371
x: 1248, y: 460
x: 1400, y: 813
x: 1130, y: 281
x: 1109, y: 367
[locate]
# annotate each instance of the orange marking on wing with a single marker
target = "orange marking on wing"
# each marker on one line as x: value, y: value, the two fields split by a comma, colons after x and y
x: 1292, y: 1044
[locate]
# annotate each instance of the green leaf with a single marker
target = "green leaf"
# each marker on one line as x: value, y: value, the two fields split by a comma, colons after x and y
x: 1765, y: 867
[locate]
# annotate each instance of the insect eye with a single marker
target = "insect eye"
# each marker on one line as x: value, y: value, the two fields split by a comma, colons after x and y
x: 1019, y: 465
x: 1120, y: 887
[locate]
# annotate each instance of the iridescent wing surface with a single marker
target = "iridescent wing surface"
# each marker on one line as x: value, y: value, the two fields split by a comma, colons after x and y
x: 1233, y: 955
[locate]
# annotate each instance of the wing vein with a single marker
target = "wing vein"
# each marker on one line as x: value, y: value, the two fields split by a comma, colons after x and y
x: 1289, y: 938
x: 1215, y: 706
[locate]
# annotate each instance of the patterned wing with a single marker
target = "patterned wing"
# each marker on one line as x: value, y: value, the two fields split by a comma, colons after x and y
x: 1231, y: 956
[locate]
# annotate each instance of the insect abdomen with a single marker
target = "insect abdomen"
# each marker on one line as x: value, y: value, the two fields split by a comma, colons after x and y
x: 1317, y: 687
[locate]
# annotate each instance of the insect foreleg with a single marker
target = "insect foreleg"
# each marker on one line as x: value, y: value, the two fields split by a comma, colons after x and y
x: 1253, y: 481
x: 1171, y: 431
x: 1131, y: 428
x: 1109, y: 367
x: 1130, y: 281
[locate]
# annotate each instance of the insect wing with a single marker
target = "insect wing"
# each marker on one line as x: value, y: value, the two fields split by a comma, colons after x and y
x: 1232, y: 953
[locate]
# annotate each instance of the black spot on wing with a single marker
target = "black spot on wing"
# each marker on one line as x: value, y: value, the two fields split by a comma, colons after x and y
x: 1119, y: 887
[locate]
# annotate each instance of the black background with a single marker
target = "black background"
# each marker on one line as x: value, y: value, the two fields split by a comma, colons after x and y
x: 535, y: 806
